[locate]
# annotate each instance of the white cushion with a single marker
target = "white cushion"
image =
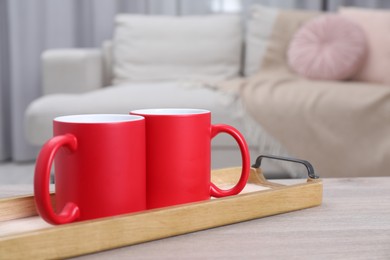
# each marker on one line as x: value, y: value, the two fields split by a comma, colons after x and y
x: 148, y: 48
x: 259, y: 29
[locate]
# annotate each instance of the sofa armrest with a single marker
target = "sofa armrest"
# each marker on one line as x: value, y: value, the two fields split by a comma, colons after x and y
x: 71, y: 70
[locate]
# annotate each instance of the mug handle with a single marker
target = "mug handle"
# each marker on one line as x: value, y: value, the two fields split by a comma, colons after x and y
x: 214, y: 190
x: 71, y: 211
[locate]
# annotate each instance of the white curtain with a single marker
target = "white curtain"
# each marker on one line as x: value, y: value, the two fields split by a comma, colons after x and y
x: 29, y: 27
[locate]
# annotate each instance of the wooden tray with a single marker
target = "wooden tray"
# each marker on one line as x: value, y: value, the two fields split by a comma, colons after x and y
x: 24, y: 235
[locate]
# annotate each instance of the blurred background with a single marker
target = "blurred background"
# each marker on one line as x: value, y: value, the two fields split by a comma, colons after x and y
x: 29, y: 27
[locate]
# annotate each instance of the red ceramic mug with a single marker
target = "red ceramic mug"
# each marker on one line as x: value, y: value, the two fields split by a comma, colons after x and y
x: 99, y: 168
x: 178, y: 156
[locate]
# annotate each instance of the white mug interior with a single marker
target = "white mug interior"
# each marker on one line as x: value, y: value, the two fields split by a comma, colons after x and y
x: 170, y: 111
x: 98, y: 118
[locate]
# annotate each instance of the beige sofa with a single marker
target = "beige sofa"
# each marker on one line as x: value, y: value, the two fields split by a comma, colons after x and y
x: 275, y: 109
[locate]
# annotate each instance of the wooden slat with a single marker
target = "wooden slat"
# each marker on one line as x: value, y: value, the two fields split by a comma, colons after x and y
x: 18, y: 207
x: 75, y: 239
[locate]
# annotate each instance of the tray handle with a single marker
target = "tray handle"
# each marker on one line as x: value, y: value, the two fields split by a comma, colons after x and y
x: 309, y: 167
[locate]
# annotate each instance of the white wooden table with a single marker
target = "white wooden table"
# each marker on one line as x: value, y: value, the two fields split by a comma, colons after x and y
x: 352, y: 223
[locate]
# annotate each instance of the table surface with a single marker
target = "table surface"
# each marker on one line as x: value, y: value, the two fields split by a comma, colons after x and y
x: 353, y: 222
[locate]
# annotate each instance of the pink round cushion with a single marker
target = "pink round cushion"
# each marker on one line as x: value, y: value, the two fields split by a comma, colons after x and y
x: 329, y: 47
